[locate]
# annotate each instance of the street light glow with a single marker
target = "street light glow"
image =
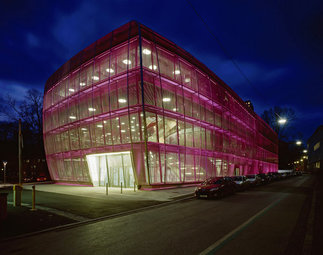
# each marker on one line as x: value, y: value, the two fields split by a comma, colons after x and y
x: 298, y: 142
x: 282, y: 121
x: 304, y: 151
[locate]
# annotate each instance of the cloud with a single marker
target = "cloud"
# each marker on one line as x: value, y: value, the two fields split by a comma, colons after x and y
x: 32, y: 40
x: 73, y: 29
x: 17, y: 90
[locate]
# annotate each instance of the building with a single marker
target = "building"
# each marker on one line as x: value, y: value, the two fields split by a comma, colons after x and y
x: 315, y: 150
x: 135, y: 109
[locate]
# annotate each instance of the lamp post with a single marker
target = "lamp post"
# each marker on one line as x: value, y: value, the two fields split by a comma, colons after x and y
x: 282, y: 121
x: 4, y: 171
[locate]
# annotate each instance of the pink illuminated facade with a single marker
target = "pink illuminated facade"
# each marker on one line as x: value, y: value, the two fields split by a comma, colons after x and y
x: 134, y: 108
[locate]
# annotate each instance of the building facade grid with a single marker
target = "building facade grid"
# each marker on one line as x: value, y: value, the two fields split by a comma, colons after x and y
x: 141, y: 113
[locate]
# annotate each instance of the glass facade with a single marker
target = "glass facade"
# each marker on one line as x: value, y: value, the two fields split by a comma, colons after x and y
x: 135, y: 108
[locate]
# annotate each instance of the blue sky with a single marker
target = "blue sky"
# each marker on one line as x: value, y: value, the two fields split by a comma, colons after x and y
x: 277, y: 44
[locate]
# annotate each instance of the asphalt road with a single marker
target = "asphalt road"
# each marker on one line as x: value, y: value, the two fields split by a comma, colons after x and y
x: 271, y: 219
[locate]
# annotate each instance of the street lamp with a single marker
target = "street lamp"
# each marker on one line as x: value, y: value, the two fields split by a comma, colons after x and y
x: 4, y: 171
x: 282, y: 121
x: 304, y: 151
x: 298, y: 142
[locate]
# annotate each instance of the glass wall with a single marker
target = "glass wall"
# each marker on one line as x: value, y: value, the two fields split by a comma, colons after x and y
x: 179, y: 124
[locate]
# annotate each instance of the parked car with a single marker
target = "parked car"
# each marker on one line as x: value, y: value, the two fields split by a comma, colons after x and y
x: 242, y: 182
x: 274, y: 176
x: 264, y: 178
x: 41, y: 179
x: 253, y: 179
x: 215, y: 187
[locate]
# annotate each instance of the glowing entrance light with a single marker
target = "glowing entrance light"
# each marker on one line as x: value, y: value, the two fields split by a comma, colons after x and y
x: 166, y: 99
x: 73, y: 117
x: 71, y: 90
x: 109, y: 70
x: 177, y: 72
x: 122, y: 100
x: 116, y: 165
x: 153, y: 67
x: 126, y: 61
x: 146, y: 51
x: 92, y: 109
x: 95, y: 78
x: 82, y: 84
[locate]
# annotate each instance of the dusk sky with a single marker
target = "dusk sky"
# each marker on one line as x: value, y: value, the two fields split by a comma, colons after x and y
x: 277, y: 44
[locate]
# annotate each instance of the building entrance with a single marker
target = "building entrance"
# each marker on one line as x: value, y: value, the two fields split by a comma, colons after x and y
x: 113, y: 169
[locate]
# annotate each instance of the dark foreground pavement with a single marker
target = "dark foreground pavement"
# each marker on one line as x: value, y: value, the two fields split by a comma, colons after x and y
x: 273, y: 219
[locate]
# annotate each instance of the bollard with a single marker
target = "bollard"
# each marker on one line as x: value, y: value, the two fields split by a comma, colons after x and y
x: 3, y: 206
x: 33, y: 208
x: 106, y: 188
x: 121, y: 187
x: 134, y: 186
x: 17, y: 189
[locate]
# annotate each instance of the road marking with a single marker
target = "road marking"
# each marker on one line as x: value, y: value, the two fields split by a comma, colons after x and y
x: 228, y: 237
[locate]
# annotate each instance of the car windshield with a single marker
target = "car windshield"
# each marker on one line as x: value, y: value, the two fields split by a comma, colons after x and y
x: 212, y: 181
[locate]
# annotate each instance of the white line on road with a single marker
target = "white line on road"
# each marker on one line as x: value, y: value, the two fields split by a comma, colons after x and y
x: 218, y: 244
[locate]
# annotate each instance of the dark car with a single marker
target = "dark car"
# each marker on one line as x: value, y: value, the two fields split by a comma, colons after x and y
x: 274, y: 176
x: 242, y: 183
x: 215, y: 187
x: 264, y: 178
x: 254, y: 179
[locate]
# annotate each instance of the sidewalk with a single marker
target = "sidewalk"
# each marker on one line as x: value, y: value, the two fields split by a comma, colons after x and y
x: 114, y: 193
x: 58, y: 205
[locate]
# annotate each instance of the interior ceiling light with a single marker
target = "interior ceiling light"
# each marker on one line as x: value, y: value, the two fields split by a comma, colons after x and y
x: 187, y: 80
x: 126, y: 61
x: 166, y: 99
x: 99, y: 126
x: 72, y: 90
x: 82, y: 83
x: 92, y: 109
x: 96, y: 78
x: 153, y: 67
x: 146, y: 51
x: 72, y: 117
x: 122, y: 100
x: 109, y: 70
x: 177, y: 72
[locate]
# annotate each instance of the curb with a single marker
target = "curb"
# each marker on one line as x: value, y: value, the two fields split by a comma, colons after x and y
x: 90, y: 221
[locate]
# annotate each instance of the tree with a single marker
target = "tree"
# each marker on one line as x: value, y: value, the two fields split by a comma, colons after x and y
x: 30, y: 113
